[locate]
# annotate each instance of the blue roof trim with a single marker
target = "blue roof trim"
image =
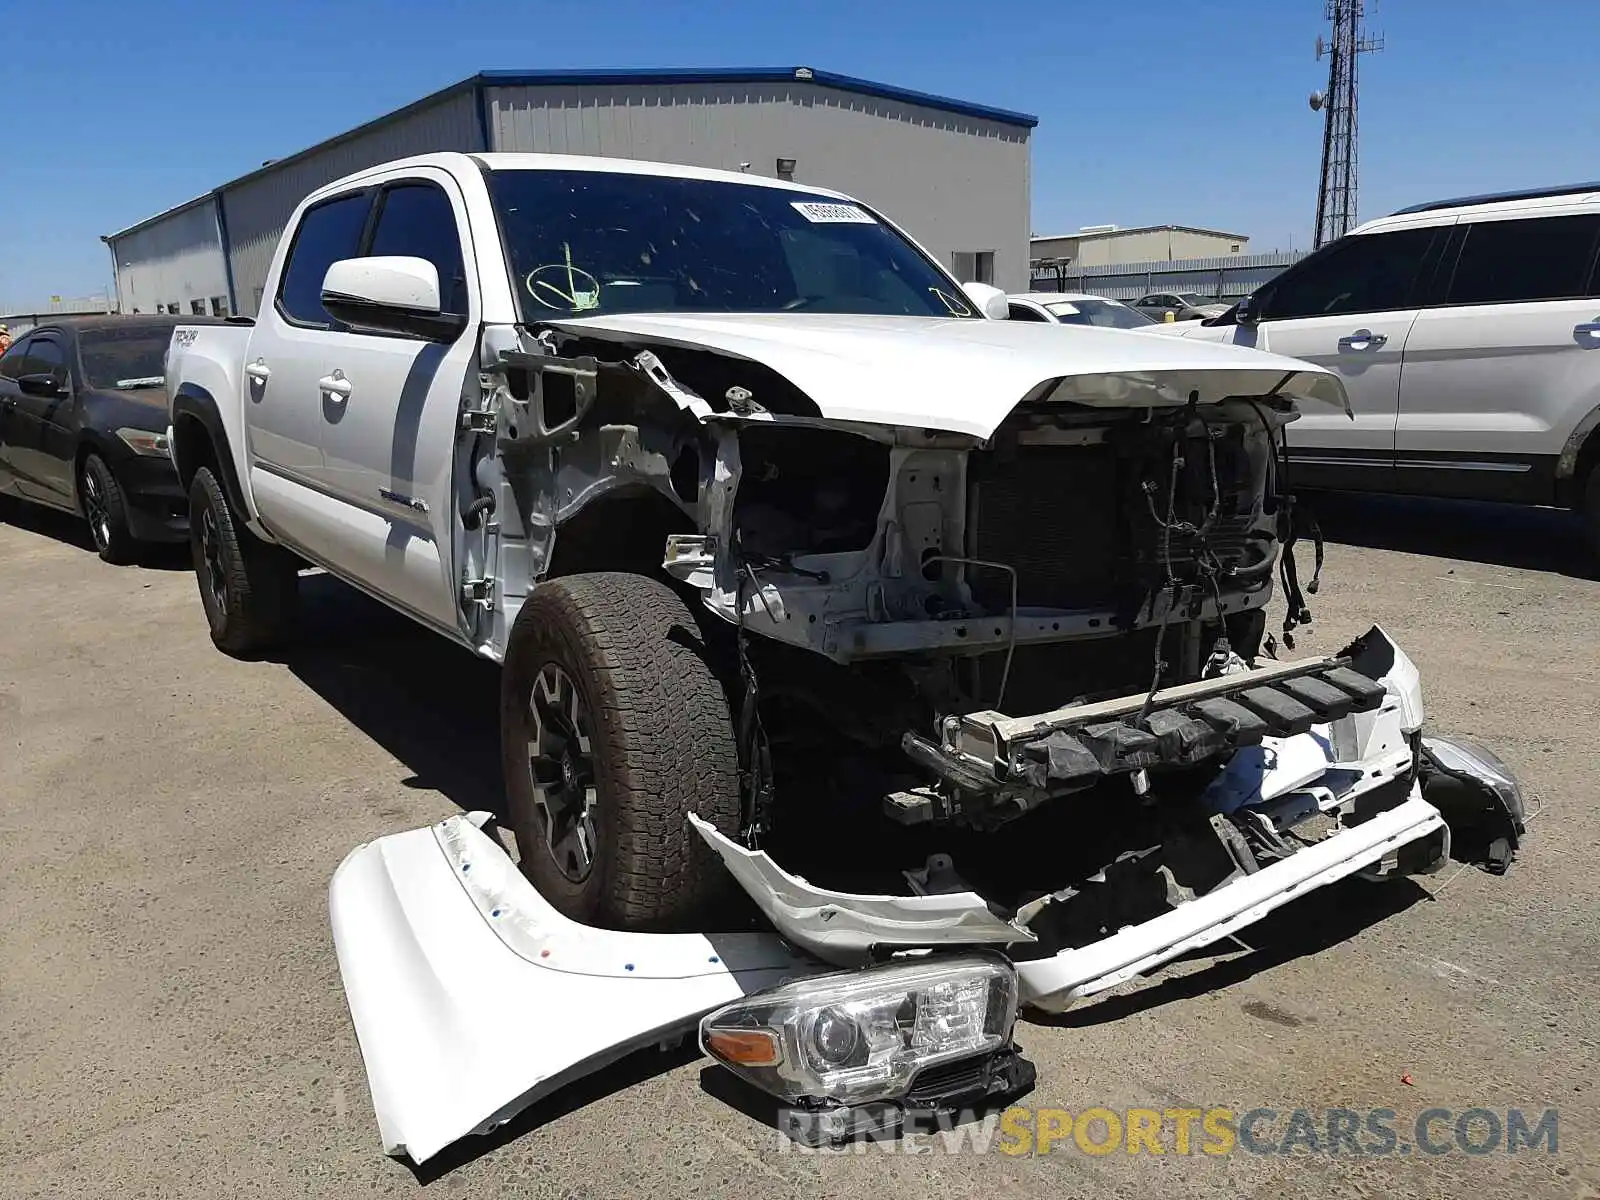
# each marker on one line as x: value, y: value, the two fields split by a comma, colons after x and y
x: 846, y: 83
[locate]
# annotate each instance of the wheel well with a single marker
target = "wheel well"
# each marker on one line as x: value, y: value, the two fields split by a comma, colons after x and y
x: 1588, y: 460
x: 191, y: 447
x: 623, y: 531
x: 85, y: 448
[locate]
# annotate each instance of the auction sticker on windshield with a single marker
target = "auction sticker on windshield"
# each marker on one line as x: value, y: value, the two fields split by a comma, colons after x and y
x: 819, y: 213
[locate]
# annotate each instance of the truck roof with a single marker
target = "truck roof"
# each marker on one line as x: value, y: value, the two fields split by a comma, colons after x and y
x: 635, y: 166
x: 451, y: 160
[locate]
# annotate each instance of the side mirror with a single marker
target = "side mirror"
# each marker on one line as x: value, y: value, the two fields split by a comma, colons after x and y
x: 1247, y: 311
x: 390, y: 294
x: 44, y: 384
x: 991, y: 301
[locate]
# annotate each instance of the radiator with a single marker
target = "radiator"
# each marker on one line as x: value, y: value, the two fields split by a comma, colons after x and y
x: 1076, y: 525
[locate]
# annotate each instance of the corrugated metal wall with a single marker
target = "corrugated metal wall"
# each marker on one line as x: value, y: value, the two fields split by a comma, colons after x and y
x: 957, y: 183
x: 1230, y: 276
x: 258, y: 207
x: 176, y: 260
x: 1153, y: 245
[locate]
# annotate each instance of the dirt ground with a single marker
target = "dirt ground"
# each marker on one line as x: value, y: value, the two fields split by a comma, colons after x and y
x: 172, y: 1022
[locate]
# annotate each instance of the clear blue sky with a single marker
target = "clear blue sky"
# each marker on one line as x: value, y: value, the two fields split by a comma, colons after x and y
x: 1150, y: 112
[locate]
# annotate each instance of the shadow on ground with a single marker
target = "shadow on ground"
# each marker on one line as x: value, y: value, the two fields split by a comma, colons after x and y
x: 619, y: 1076
x: 1535, y: 539
x: 428, y: 702
x: 71, y: 530
x: 1308, y: 926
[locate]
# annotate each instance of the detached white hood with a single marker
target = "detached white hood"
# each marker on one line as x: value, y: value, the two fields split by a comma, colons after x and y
x: 965, y: 376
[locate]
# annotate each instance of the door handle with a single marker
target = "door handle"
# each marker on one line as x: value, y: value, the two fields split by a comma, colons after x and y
x: 1589, y: 331
x: 335, y: 385
x: 258, y: 370
x: 1363, y: 339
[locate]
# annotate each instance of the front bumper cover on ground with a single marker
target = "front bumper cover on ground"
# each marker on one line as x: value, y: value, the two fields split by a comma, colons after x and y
x: 472, y: 997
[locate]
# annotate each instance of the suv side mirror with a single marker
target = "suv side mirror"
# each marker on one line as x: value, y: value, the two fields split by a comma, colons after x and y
x: 42, y: 384
x: 390, y: 294
x: 991, y: 301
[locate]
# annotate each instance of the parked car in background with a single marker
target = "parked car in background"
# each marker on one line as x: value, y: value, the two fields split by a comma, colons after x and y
x: 1184, y: 306
x: 1075, y: 308
x: 1467, y: 333
x: 83, y: 428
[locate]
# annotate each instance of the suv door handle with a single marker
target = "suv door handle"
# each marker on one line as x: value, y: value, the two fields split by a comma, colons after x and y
x: 1363, y: 339
x: 258, y: 370
x: 1588, y: 331
x: 335, y: 385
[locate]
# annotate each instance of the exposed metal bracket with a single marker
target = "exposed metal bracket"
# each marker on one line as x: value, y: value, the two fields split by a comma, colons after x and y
x: 528, y: 418
x: 479, y: 592
x: 685, y: 398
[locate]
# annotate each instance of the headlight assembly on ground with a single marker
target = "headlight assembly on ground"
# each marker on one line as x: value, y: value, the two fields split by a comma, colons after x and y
x: 854, y: 1048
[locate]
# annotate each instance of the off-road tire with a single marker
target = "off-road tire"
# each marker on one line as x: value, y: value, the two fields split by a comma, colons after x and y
x: 1589, y: 509
x: 99, y: 494
x: 661, y: 741
x: 248, y: 587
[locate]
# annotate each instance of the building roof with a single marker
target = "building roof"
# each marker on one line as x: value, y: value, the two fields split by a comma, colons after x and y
x: 672, y: 75
x: 662, y: 76
x: 1089, y: 235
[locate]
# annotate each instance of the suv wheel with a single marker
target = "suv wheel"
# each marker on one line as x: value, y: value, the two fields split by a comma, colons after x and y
x: 248, y: 587
x: 612, y: 728
x: 106, y: 511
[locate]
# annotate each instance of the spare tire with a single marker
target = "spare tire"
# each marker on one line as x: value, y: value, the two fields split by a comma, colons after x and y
x: 613, y: 727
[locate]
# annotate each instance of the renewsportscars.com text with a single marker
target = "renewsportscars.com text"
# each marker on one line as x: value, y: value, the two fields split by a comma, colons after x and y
x: 1336, y: 1132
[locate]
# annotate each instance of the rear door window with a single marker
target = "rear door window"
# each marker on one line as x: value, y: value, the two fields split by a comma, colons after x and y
x: 417, y: 221
x: 330, y: 231
x: 1536, y: 258
x: 1371, y: 272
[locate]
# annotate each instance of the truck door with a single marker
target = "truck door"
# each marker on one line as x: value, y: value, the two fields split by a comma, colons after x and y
x: 388, y: 434
x: 291, y: 349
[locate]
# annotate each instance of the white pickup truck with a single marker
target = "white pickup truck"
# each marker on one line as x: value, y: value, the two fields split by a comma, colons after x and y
x: 927, y: 628
x: 766, y: 520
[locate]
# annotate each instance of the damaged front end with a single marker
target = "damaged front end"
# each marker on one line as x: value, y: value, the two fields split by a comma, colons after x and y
x: 1005, y: 735
x: 1327, y: 776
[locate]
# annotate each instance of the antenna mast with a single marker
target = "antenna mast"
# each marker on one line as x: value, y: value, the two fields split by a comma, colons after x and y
x: 1336, y: 195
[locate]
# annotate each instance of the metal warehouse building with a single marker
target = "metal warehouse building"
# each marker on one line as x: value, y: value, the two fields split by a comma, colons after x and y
x: 955, y: 175
x: 1111, y: 245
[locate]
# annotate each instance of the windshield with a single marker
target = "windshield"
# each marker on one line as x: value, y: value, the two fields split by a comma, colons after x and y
x: 1192, y: 299
x: 124, y: 358
x: 589, y: 242
x: 1108, y: 314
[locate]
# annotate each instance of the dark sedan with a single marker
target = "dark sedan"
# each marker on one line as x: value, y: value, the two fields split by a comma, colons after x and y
x: 83, y: 428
